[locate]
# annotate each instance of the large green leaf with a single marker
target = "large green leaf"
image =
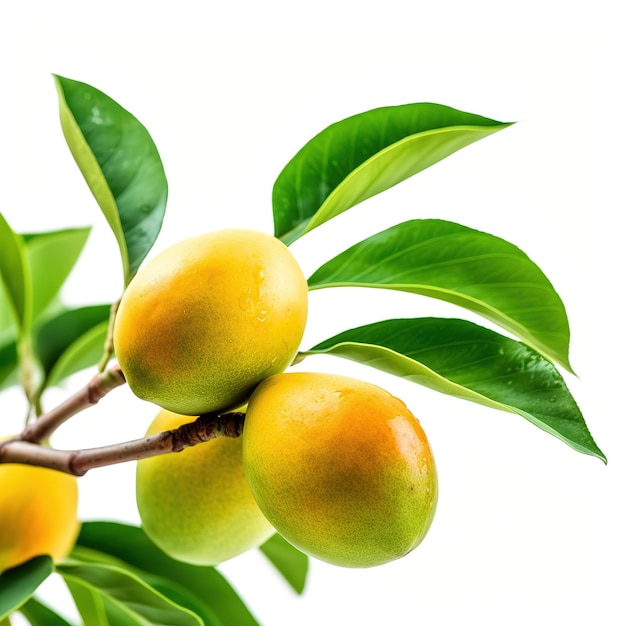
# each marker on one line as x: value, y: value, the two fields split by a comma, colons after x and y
x: 289, y: 561
x: 19, y: 583
x: 120, y: 164
x: 89, y: 603
x: 472, y: 269
x: 72, y: 340
x: 140, y: 603
x: 465, y: 360
x: 52, y: 256
x: 365, y: 154
x: 38, y: 614
x: 208, y: 587
x: 15, y: 276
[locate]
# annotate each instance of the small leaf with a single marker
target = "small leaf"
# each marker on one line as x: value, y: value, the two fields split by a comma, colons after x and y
x: 38, y: 614
x: 15, y: 275
x: 139, y: 602
x: 475, y: 270
x: 131, y: 545
x: 19, y: 583
x: 468, y: 361
x: 362, y: 155
x: 120, y: 164
x: 72, y: 340
x: 289, y: 561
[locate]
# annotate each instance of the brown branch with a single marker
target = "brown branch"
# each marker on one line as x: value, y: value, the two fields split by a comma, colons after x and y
x: 89, y: 395
x: 79, y: 462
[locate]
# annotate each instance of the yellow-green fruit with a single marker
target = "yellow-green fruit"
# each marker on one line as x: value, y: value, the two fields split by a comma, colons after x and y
x: 209, y: 318
x: 38, y: 513
x: 340, y: 467
x: 196, y: 504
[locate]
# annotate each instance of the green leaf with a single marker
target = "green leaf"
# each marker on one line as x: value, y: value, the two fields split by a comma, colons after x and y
x: 19, y: 583
x: 8, y: 365
x: 131, y: 545
x: 289, y: 561
x: 465, y: 360
x: 15, y: 275
x: 120, y: 164
x: 52, y: 256
x: 72, y: 341
x: 360, y: 156
x: 38, y: 614
x: 140, y: 603
x: 475, y: 270
x: 89, y: 603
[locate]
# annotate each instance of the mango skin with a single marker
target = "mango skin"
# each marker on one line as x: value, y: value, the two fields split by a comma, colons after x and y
x: 340, y: 467
x: 196, y: 504
x: 38, y: 513
x: 207, y: 319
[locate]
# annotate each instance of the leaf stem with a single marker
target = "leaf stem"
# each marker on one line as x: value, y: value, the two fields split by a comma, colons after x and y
x: 108, y: 342
x: 79, y: 462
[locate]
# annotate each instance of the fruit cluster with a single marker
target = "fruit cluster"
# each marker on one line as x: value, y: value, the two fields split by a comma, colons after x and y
x: 339, y: 467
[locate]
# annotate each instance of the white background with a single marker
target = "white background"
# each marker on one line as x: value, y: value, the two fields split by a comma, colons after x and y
x: 527, y: 530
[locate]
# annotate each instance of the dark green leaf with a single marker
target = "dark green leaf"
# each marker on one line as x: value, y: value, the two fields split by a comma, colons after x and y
x: 38, y: 614
x: 52, y: 256
x: 131, y: 545
x: 289, y: 561
x: 71, y: 341
x: 8, y: 365
x: 19, y: 583
x: 472, y: 269
x: 465, y: 360
x: 140, y: 603
x: 15, y: 276
x: 365, y: 154
x: 120, y: 164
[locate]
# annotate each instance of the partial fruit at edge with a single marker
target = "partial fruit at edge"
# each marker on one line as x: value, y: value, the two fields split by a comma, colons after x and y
x: 209, y: 318
x: 341, y: 468
x: 196, y: 504
x: 38, y: 513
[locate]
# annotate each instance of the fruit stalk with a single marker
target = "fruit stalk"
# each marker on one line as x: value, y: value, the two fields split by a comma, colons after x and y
x: 79, y: 462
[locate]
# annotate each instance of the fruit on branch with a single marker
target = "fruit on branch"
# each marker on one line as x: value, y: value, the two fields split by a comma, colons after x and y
x: 38, y: 513
x: 209, y: 318
x: 196, y: 504
x: 340, y: 467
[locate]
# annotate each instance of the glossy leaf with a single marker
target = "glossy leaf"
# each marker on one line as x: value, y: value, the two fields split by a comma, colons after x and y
x: 137, y: 600
x: 365, y: 154
x: 15, y: 275
x: 131, y: 545
x: 480, y: 272
x: 71, y: 341
x: 38, y: 614
x: 19, y: 583
x: 89, y: 603
x: 120, y: 164
x: 289, y: 561
x: 465, y: 360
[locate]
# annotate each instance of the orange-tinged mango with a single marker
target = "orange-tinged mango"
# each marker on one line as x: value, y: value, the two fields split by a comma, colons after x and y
x: 38, y: 513
x: 209, y: 318
x: 340, y: 467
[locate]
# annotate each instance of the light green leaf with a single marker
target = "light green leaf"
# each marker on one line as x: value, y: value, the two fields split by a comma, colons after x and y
x: 15, y: 275
x: 289, y: 561
x: 365, y: 154
x: 475, y: 270
x: 52, y: 256
x: 208, y: 587
x: 140, y: 603
x: 38, y: 614
x: 468, y: 361
x: 72, y: 341
x: 120, y: 164
x: 89, y: 603
x: 19, y: 583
